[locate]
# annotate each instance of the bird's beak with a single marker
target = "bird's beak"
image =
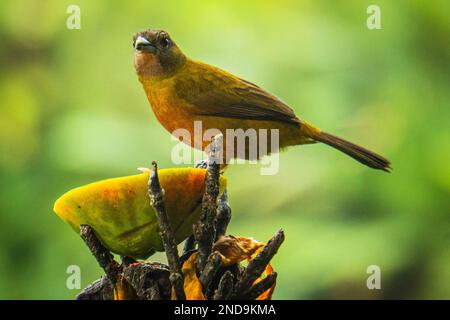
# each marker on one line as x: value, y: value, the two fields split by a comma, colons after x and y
x: 142, y: 44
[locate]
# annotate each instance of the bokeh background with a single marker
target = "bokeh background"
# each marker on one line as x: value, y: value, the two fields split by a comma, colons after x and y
x: 72, y: 111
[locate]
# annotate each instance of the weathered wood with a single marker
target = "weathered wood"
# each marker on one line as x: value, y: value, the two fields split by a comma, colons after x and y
x: 257, y: 265
x: 205, y: 229
x: 262, y: 286
x: 156, y: 195
x: 225, y: 287
x: 223, y: 216
x: 104, y: 258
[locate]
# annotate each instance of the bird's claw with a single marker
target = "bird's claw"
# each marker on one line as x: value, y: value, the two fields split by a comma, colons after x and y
x: 203, y: 164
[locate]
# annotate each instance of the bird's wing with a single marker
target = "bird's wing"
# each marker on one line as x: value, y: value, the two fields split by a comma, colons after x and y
x: 213, y: 92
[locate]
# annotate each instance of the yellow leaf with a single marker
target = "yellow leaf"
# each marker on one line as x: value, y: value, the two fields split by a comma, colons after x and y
x: 119, y: 209
x: 123, y: 290
x: 192, y: 286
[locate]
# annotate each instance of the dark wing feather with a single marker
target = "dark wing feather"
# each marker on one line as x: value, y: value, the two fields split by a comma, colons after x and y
x: 214, y: 92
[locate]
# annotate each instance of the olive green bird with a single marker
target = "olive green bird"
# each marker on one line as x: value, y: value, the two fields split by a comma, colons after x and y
x: 181, y: 90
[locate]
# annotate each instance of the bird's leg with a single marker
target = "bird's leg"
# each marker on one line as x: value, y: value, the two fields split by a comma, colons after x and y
x: 202, y: 164
x: 223, y: 216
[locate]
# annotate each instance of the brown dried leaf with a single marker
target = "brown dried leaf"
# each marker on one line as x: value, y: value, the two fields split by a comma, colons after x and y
x: 192, y: 286
x: 233, y: 250
x: 236, y: 249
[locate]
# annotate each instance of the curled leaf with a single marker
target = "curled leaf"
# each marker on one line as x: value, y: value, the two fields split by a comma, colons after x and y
x: 119, y: 209
x: 192, y: 286
x: 234, y: 250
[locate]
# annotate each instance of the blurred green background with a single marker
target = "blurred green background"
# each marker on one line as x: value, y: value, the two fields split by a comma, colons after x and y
x: 72, y: 111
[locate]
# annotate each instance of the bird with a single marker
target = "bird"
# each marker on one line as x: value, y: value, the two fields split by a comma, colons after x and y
x: 181, y: 91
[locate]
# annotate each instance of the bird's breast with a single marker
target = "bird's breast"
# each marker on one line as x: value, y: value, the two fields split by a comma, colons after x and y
x: 170, y: 111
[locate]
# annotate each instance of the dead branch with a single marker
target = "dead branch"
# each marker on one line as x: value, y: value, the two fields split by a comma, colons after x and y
x: 223, y: 216
x: 101, y: 289
x: 150, y: 280
x: 257, y: 265
x: 205, y: 229
x: 154, y: 281
x: 104, y: 258
x: 225, y: 286
x: 209, y: 272
x: 156, y: 195
x: 262, y: 286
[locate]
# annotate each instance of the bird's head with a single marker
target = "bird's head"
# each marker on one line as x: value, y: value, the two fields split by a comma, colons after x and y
x: 155, y: 54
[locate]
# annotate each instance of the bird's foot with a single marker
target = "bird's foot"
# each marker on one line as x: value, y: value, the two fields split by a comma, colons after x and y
x: 202, y: 164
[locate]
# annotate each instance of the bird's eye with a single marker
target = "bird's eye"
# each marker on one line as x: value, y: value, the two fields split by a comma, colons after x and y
x: 165, y: 42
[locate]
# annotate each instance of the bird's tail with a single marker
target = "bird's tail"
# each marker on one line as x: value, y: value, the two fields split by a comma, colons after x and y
x: 363, y: 155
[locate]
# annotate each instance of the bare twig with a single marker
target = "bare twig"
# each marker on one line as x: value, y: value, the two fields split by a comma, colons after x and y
x: 101, y: 289
x: 152, y: 292
x: 225, y: 287
x: 257, y: 265
x: 150, y: 280
x: 156, y: 195
x: 153, y: 281
x: 209, y: 272
x: 104, y: 258
x: 204, y: 229
x: 261, y: 287
x: 223, y: 215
